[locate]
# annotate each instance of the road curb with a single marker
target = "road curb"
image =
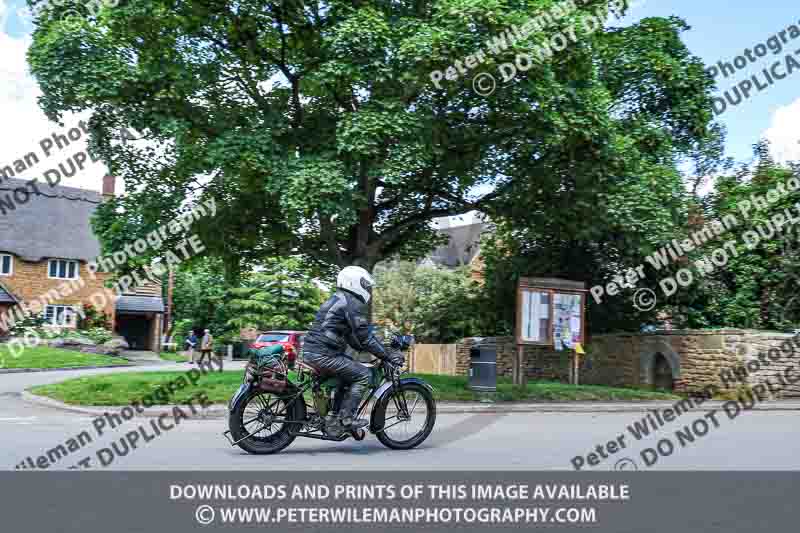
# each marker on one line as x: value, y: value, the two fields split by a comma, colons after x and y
x: 59, y: 369
x: 220, y: 411
x: 216, y: 411
x: 599, y: 407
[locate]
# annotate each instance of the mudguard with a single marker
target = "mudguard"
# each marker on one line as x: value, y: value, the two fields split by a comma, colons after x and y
x: 240, y: 394
x: 377, y: 419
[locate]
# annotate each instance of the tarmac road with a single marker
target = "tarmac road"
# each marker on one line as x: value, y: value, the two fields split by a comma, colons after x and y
x: 755, y: 440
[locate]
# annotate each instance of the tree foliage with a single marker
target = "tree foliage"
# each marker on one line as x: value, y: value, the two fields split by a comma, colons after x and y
x: 199, y: 296
x: 282, y: 296
x: 432, y: 303
x: 315, y: 126
x: 755, y: 285
x: 567, y: 235
x: 758, y: 285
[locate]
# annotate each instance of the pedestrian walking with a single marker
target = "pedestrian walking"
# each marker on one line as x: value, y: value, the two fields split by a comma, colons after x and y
x: 207, y: 347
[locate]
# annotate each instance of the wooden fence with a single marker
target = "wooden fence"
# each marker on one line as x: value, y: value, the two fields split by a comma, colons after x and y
x: 433, y: 359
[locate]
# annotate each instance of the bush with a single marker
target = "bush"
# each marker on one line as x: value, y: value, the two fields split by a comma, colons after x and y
x: 98, y: 335
x: 32, y: 326
x: 26, y: 323
x: 35, y: 326
x: 93, y: 319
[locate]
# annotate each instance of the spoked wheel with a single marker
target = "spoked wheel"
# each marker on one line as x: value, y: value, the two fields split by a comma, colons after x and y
x: 403, y: 433
x: 258, y: 425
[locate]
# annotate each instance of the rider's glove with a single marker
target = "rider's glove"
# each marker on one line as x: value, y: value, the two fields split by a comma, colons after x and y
x: 397, y: 359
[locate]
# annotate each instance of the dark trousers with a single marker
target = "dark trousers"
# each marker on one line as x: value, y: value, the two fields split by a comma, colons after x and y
x: 354, y: 374
x: 204, y: 353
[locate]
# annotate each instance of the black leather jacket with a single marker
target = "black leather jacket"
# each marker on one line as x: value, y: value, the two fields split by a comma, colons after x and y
x: 341, y: 321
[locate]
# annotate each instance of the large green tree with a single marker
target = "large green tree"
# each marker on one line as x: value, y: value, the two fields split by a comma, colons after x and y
x: 315, y: 125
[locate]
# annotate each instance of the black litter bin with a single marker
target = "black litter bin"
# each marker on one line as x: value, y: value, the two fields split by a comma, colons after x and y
x: 483, y: 368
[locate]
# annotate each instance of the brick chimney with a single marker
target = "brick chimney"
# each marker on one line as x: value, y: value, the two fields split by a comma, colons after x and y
x: 108, y: 186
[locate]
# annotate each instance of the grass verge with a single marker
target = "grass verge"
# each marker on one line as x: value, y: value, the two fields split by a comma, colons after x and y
x: 175, y: 357
x: 454, y: 388
x: 46, y: 357
x: 121, y: 389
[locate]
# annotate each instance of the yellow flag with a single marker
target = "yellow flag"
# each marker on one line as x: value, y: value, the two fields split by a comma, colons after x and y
x: 578, y: 348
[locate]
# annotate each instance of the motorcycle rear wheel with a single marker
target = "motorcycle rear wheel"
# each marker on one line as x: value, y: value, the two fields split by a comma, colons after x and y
x: 250, y: 423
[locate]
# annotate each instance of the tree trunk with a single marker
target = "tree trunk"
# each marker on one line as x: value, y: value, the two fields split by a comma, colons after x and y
x: 168, y: 315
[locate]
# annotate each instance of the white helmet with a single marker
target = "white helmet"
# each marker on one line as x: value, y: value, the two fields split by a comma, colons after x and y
x: 356, y: 280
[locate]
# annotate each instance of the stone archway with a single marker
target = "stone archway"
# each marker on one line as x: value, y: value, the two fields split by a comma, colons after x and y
x: 653, y: 360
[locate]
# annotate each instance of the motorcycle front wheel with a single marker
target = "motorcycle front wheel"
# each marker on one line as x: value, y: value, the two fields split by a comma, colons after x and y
x: 399, y: 433
x: 258, y: 423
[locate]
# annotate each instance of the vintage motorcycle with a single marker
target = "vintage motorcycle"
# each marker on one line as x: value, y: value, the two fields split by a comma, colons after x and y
x: 272, y: 407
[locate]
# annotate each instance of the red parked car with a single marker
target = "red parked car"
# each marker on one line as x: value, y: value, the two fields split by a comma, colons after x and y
x: 291, y: 341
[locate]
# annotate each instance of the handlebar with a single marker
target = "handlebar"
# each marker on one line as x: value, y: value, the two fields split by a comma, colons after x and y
x: 397, y: 343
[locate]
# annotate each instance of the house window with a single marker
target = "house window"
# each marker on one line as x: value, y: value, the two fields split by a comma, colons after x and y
x: 63, y: 269
x: 60, y: 315
x: 6, y: 264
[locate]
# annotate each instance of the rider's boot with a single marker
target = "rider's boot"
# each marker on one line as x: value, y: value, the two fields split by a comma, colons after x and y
x: 333, y: 425
x: 349, y: 408
x: 351, y: 424
x: 331, y: 418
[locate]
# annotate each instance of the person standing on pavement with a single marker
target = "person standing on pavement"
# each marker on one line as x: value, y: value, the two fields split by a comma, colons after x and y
x: 191, y: 345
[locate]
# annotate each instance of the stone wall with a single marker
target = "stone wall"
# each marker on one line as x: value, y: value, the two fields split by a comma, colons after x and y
x: 540, y: 362
x: 696, y: 360
x: 771, y: 358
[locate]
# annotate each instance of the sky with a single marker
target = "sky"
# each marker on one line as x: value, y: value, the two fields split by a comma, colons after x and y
x: 720, y: 31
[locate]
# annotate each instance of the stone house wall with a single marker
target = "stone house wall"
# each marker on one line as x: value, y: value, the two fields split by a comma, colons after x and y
x: 30, y: 282
x: 696, y: 358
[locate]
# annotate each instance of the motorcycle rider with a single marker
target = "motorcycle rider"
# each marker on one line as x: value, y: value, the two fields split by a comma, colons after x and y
x: 342, y: 321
